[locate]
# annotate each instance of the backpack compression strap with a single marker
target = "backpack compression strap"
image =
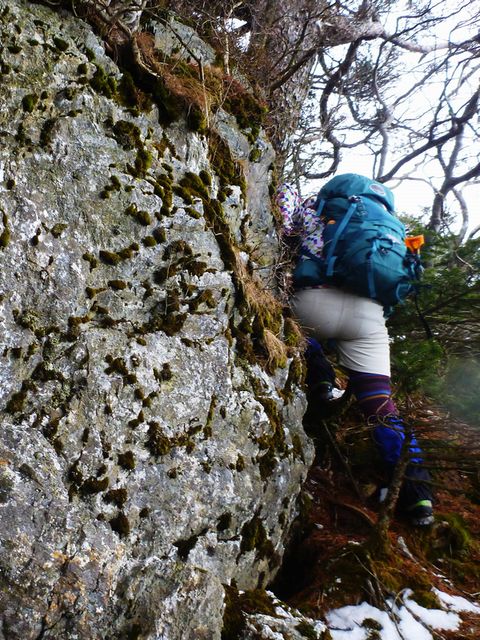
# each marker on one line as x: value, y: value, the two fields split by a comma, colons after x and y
x: 330, y: 258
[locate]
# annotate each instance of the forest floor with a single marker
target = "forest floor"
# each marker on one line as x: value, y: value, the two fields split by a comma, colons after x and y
x: 335, y: 560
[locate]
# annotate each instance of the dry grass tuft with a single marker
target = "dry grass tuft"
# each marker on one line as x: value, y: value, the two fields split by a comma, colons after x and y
x: 258, y: 299
x: 276, y: 350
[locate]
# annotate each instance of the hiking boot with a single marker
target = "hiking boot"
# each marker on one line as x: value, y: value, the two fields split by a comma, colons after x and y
x: 420, y: 514
x: 324, y: 391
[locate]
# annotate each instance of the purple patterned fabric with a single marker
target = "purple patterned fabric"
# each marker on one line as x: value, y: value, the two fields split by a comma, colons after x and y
x: 300, y: 219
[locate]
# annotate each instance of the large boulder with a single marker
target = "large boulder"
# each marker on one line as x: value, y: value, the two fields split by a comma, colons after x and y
x: 151, y: 441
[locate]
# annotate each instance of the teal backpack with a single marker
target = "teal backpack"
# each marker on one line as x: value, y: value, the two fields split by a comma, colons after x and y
x: 364, y: 247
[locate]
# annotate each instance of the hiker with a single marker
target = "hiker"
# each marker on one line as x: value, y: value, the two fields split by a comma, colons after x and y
x: 352, y: 318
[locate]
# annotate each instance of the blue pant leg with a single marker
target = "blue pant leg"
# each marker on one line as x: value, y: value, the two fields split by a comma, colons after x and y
x: 390, y: 436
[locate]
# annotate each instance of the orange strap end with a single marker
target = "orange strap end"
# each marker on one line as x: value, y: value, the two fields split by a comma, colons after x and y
x: 414, y: 243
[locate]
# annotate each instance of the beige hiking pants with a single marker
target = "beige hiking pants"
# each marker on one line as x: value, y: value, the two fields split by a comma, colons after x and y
x: 356, y: 324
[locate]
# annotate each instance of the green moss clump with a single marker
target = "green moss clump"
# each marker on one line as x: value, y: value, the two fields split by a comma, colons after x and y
x: 227, y: 169
x: 128, y: 252
x: 127, y: 134
x: 205, y: 177
x: 143, y: 162
x: 224, y: 521
x: 165, y: 144
x: 58, y: 229
x: 296, y: 377
x: 29, y: 102
x: 103, y: 83
x: 116, y: 365
x: 91, y: 259
x: 117, y: 497
x: 292, y: 332
x: 158, y: 443
x: 142, y: 217
x: 127, y: 460
x: 120, y: 524
x: 117, y: 285
x: 68, y: 93
x: 114, y: 185
x: 196, y: 120
x: 21, y: 136
x: 306, y: 630
x: 426, y: 598
x: 149, y: 241
x: 109, y: 257
x: 5, y: 235
x: 193, y: 184
x: 266, y: 464
x: 130, y: 96
x: 177, y: 254
x: 133, y: 424
x: 165, y: 374
x: 34, y: 241
x: 27, y: 319
x: 193, y: 213
x: 139, y: 393
x: 206, y: 297
x: 89, y: 54
x: 297, y: 448
x: 166, y: 318
x: 183, y: 193
x: 255, y: 154
x: 46, y: 132
x: 163, y: 187
x: 91, y: 292
x: 240, y: 464
x: 458, y: 539
x: 162, y: 183
x: 170, y: 107
x: 93, y: 485
x: 74, y: 474
x: 16, y: 352
x: 254, y: 537
x: 17, y: 401
x: 44, y: 372
x: 273, y: 444
x: 177, y: 247
x: 185, y: 546
x: 60, y: 44
x: 216, y: 221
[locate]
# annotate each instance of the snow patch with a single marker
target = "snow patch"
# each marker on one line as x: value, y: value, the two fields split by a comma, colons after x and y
x: 405, y: 618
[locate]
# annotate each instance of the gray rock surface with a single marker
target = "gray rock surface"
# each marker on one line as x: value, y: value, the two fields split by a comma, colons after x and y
x: 145, y: 460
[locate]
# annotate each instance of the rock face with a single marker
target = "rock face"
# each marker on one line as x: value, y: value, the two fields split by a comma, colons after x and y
x: 151, y: 440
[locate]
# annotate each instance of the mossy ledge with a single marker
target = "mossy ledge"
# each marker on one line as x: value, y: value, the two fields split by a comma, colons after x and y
x: 238, y: 605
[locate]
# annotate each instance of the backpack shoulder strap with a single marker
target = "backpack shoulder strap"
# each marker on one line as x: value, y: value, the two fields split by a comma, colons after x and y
x: 320, y: 206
